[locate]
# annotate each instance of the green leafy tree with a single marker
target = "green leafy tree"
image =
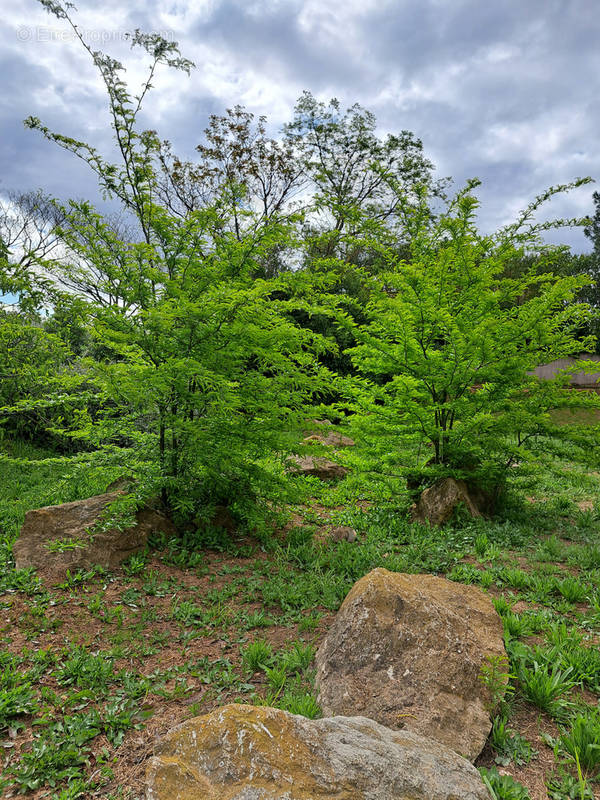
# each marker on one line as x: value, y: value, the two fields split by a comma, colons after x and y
x: 31, y: 362
x: 450, y: 342
x: 204, y: 372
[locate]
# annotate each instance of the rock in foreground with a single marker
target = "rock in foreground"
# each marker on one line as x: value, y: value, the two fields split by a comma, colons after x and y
x: 407, y: 651
x: 241, y: 752
x: 55, y: 539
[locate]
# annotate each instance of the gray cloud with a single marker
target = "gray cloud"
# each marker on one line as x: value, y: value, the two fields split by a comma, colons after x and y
x: 504, y: 91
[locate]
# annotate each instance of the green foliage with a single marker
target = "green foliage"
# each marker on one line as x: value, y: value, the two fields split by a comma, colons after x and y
x: 199, y: 369
x: 17, y: 696
x: 495, y: 676
x: 449, y: 344
x: 298, y: 657
x: 572, y: 589
x: 257, y: 655
x: 299, y: 702
x: 86, y: 670
x: 31, y: 360
x: 546, y: 686
x: 509, y: 745
x: 567, y: 787
x: 503, y: 787
x: 581, y: 740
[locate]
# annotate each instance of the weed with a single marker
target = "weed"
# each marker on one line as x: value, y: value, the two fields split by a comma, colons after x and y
x: 257, y: 655
x: 258, y: 619
x: 509, y: 744
x: 582, y: 740
x: 502, y: 605
x: 551, y: 549
x: 298, y: 657
x: 465, y: 573
x: 495, y: 677
x: 512, y: 576
x: 186, y: 612
x: 86, y: 670
x: 58, y: 754
x: 95, y: 603
x: 586, y: 557
x: 516, y: 625
x: 135, y: 564
x: 546, y: 687
x: 503, y: 787
x: 481, y: 544
x: 309, y: 622
x: 276, y: 678
x: 567, y: 787
x: 300, y: 702
x: 121, y: 714
x: 572, y: 589
x: 64, y: 545
x: 17, y: 696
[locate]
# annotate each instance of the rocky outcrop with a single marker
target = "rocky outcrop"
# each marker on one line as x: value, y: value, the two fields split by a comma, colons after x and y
x: 438, y: 503
x: 319, y: 467
x: 408, y: 651
x: 241, y: 752
x: 55, y: 539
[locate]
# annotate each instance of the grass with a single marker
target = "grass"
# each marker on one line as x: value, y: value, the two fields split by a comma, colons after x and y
x: 91, y: 671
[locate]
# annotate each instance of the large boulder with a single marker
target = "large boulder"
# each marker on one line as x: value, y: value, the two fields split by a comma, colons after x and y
x: 438, y: 503
x: 408, y: 651
x: 55, y: 539
x: 241, y: 752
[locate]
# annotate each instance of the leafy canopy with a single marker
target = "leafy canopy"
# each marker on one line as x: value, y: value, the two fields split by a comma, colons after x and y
x: 446, y: 354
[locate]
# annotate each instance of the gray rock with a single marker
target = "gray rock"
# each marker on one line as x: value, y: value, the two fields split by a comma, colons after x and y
x: 408, y: 651
x: 241, y: 752
x: 438, y: 503
x: 342, y: 533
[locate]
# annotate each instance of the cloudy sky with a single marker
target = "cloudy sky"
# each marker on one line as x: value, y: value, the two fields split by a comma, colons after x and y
x: 506, y: 91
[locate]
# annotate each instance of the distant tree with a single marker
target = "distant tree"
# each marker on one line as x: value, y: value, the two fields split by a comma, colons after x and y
x: 592, y: 231
x: 351, y: 169
x: 248, y: 176
x: 28, y: 223
x: 238, y: 164
x: 590, y: 265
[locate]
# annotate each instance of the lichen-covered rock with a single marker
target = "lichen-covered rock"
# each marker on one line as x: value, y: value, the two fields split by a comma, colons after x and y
x: 241, y: 752
x: 316, y: 465
x: 55, y: 539
x: 438, y: 503
x: 408, y: 651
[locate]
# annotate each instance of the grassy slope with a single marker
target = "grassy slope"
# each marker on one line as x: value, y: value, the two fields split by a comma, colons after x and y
x: 92, y: 670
